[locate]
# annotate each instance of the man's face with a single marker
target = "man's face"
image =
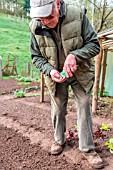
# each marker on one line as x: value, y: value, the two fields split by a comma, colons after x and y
x: 52, y: 20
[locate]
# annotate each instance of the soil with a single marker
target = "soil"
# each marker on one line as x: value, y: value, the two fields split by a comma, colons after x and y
x: 26, y: 132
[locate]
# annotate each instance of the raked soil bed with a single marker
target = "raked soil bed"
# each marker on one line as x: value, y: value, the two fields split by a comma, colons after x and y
x: 26, y: 132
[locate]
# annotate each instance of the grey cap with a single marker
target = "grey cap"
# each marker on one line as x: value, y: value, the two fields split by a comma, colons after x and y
x: 40, y: 8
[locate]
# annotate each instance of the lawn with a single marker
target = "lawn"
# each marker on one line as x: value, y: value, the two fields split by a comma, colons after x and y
x: 15, y: 40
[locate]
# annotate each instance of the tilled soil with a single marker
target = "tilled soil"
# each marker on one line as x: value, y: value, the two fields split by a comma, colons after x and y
x: 26, y: 133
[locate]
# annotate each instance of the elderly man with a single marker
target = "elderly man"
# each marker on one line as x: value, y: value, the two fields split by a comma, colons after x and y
x: 62, y: 39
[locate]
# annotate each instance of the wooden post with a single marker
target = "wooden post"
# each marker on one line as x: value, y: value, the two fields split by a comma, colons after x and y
x: 0, y: 68
x: 103, y: 72
x: 98, y: 60
x: 42, y: 88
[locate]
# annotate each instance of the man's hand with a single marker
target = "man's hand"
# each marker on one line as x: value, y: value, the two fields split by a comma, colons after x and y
x: 55, y: 75
x: 70, y: 65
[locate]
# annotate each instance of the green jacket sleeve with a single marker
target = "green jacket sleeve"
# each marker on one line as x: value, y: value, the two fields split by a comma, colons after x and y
x: 90, y: 46
x: 38, y: 60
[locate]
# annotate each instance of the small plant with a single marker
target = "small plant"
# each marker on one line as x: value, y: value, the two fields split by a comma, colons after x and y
x: 71, y: 135
x: 32, y: 95
x: 105, y: 94
x: 98, y: 134
x: 106, y: 127
x: 23, y: 83
x: 109, y: 144
x: 19, y: 76
x: 36, y: 87
x: 76, y: 127
x: 27, y: 79
x: 20, y: 93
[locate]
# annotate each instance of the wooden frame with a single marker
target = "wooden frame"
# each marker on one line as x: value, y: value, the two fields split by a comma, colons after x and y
x: 106, y: 43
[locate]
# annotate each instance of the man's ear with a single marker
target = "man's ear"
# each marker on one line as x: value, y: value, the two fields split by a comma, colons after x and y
x: 58, y: 4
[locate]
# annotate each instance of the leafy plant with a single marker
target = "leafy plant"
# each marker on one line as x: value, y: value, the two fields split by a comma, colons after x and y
x: 71, y: 135
x: 23, y: 83
x: 109, y: 144
x: 98, y: 134
x: 20, y: 93
x: 32, y: 95
x: 76, y: 127
x: 19, y: 76
x: 36, y: 87
x: 25, y: 79
x: 106, y: 127
x: 105, y: 93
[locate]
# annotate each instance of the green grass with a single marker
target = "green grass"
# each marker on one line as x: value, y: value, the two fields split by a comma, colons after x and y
x: 15, y: 40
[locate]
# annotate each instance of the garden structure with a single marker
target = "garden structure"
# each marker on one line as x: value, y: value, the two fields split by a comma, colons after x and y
x: 101, y: 65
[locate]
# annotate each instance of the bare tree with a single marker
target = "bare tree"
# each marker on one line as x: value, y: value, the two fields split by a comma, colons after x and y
x: 103, y: 13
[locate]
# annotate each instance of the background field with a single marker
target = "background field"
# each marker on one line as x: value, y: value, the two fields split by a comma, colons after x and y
x: 14, y: 40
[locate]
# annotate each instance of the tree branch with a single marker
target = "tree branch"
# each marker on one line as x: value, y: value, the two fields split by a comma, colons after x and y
x: 108, y: 14
x: 94, y: 5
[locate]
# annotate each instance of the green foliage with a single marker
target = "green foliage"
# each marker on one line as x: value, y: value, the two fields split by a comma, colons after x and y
x: 23, y: 83
x: 33, y: 95
x: 106, y: 127
x: 25, y: 79
x: 109, y: 144
x: 105, y: 93
x: 14, y: 40
x: 36, y: 87
x: 19, y: 93
x: 7, y: 77
x: 15, y: 7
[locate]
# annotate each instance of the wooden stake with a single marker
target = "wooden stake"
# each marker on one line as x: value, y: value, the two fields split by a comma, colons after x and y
x: 42, y: 88
x: 98, y: 60
x: 103, y: 72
